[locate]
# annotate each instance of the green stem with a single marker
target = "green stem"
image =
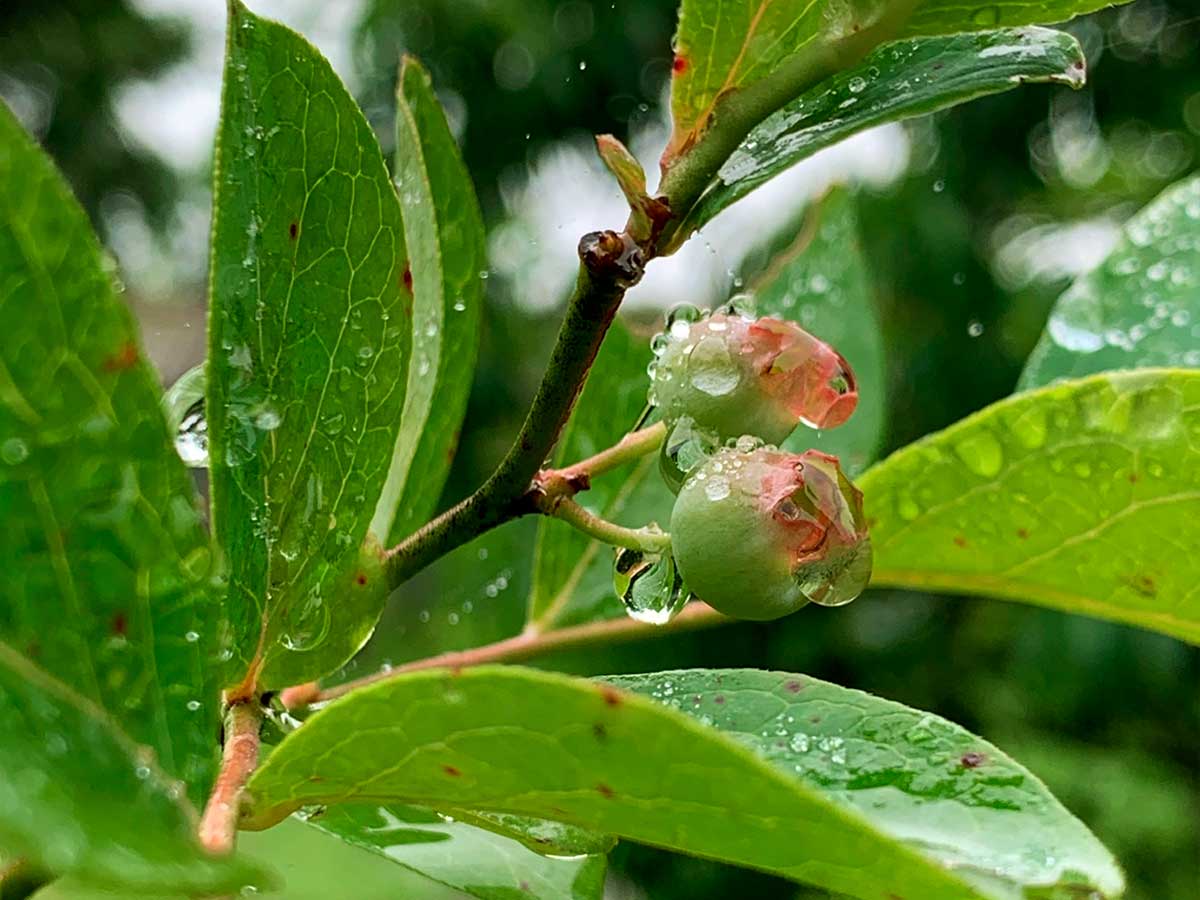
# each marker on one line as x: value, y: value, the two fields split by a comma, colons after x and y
x: 650, y: 540
x: 611, y: 263
x: 633, y: 446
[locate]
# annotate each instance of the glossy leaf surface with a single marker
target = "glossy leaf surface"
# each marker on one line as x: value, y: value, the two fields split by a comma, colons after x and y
x: 309, y: 335
x: 898, y: 81
x: 462, y: 856
x: 950, y: 16
x: 105, y: 561
x: 78, y: 797
x: 1081, y: 497
x: 763, y: 771
x: 1140, y: 308
x: 444, y: 233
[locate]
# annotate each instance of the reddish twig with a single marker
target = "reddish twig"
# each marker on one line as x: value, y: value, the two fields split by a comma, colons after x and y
x: 218, y: 826
x: 523, y: 646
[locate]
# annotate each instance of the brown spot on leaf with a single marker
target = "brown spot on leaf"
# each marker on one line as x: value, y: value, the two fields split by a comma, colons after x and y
x: 814, y: 719
x: 1133, y: 477
x: 293, y: 230
x: 124, y: 358
x: 973, y: 759
x: 360, y: 578
x: 451, y: 771
x: 605, y: 790
x: 610, y: 694
x: 793, y: 687
x: 407, y: 279
x: 119, y: 625
x: 960, y: 541
x: 600, y: 732
x: 1143, y: 584
x: 525, y: 886
x: 720, y: 698
x: 679, y: 64
x: 1023, y: 533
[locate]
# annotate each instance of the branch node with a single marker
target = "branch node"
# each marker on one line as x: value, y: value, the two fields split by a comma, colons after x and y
x: 613, y: 257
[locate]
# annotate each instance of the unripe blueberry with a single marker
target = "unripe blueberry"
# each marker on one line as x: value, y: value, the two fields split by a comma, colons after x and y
x: 758, y: 534
x: 735, y: 375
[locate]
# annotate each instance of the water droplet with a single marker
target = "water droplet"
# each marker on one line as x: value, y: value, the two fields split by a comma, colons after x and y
x: 192, y: 636
x: 981, y: 453
x: 685, y: 449
x: 711, y: 369
x: 14, y: 451
x: 306, y: 626
x: 582, y: 66
x: 857, y: 84
x: 717, y: 488
x: 191, y: 439
x: 649, y: 584
x: 267, y: 418
x: 974, y: 328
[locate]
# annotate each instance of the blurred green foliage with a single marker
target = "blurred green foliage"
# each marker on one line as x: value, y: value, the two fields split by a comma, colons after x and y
x: 1108, y: 716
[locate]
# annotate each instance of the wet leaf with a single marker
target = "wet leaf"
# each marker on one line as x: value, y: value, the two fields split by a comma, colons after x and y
x: 724, y: 47
x: 822, y: 281
x: 1080, y: 497
x: 778, y: 772
x: 475, y: 861
x: 105, y: 560
x: 309, y: 336
x: 897, y: 81
x: 950, y: 16
x: 78, y: 797
x: 1140, y: 308
x: 444, y: 233
x: 572, y: 580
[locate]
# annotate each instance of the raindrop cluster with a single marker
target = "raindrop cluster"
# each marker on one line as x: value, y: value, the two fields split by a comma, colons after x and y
x: 756, y: 532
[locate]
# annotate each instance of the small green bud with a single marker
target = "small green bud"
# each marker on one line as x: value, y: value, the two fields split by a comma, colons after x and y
x: 759, y: 534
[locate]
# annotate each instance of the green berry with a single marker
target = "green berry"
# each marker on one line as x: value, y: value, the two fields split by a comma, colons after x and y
x: 759, y: 534
x: 734, y: 375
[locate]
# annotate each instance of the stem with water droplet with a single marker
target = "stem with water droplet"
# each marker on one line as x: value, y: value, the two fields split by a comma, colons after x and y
x: 647, y: 539
x: 239, y: 758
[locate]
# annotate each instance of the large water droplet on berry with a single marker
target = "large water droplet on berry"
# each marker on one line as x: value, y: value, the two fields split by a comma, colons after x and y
x: 184, y: 408
x: 710, y: 367
x: 685, y: 449
x: 824, y: 519
x: 649, y: 584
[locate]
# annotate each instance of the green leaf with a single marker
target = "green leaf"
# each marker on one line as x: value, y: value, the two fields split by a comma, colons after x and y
x: 897, y: 81
x: 78, y: 797
x: 950, y: 16
x: 444, y: 233
x: 309, y: 338
x: 821, y: 281
x: 462, y: 856
x: 813, y: 782
x: 1140, y: 308
x: 724, y: 47
x: 1080, y: 497
x: 309, y: 864
x: 572, y: 574
x: 105, y: 560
